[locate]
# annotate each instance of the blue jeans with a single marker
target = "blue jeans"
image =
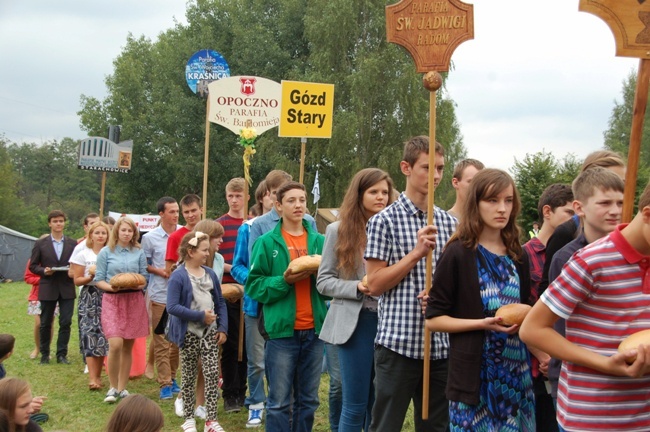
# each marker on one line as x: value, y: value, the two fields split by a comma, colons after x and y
x: 255, y: 352
x: 356, y: 358
x: 335, y: 394
x: 293, y: 367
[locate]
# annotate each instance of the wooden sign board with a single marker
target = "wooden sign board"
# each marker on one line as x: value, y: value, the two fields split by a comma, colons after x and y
x: 629, y: 20
x: 430, y: 30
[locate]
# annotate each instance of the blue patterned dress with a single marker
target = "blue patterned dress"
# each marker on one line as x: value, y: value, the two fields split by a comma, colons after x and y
x: 506, y: 396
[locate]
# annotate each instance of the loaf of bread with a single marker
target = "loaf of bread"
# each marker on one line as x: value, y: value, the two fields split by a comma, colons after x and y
x: 633, y: 341
x: 123, y: 281
x: 305, y: 263
x: 92, y: 270
x: 364, y: 281
x: 232, y: 292
x: 512, y: 314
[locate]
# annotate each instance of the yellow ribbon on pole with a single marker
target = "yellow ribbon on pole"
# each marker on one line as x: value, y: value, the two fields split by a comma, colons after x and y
x: 247, y: 138
x: 249, y: 151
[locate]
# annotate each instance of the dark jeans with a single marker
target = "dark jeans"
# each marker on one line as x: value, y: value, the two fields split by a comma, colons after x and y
x: 234, y: 372
x: 398, y: 380
x: 66, y: 310
x: 544, y: 409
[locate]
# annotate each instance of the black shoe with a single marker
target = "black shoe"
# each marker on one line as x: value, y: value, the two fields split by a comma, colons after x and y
x: 62, y: 359
x: 241, y: 400
x: 45, y: 360
x: 230, y: 405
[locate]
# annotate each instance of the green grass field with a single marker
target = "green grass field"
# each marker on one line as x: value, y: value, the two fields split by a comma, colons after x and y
x: 70, y: 405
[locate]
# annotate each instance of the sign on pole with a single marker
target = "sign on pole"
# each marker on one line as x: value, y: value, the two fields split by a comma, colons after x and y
x: 204, y: 67
x: 307, y: 110
x: 430, y: 31
x: 629, y: 20
x: 102, y: 154
x: 245, y: 101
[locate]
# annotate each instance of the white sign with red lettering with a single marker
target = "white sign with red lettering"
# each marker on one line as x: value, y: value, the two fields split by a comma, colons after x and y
x: 145, y: 222
x: 245, y: 102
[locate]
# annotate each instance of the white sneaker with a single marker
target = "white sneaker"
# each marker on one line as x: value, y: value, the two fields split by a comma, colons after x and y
x: 178, y: 407
x: 201, y: 412
x: 189, y: 426
x: 111, y: 396
x: 255, y: 418
x: 213, y: 426
x: 124, y: 393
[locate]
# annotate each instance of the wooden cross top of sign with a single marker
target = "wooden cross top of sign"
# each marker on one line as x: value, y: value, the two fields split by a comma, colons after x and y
x: 430, y: 30
x: 629, y: 20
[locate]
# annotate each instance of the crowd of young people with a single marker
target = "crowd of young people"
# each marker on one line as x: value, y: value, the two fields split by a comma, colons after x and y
x: 368, y: 300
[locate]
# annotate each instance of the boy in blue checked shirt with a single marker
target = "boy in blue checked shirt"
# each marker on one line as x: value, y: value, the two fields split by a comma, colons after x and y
x: 399, y: 240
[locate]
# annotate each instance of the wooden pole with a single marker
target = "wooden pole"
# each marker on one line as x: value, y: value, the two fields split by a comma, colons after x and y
x: 206, y: 155
x: 101, y: 199
x: 432, y: 82
x: 636, y: 134
x: 240, y: 349
x: 303, y: 150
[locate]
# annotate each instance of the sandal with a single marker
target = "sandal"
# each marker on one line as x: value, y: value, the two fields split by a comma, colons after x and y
x: 39, y: 418
x: 95, y: 386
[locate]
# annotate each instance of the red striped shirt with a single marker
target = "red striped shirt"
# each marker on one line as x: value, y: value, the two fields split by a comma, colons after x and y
x: 227, y: 249
x: 600, y: 294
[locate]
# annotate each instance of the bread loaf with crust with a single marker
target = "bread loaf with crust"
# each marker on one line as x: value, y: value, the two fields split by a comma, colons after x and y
x: 127, y: 281
x: 92, y: 269
x: 305, y: 263
x: 512, y: 314
x: 364, y: 281
x: 633, y: 341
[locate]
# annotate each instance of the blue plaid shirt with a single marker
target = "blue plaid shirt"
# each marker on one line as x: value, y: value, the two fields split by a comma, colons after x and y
x: 392, y: 234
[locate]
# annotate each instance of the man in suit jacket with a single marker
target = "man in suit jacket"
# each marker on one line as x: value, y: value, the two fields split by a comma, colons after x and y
x: 49, y: 253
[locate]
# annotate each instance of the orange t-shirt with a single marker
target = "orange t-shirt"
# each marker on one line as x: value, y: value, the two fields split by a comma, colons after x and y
x: 297, y: 246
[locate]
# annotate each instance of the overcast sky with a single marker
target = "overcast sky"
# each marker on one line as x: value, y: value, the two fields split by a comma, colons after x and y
x: 538, y: 75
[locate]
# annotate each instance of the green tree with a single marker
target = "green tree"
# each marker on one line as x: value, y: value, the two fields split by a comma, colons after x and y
x: 617, y: 135
x: 48, y: 178
x: 534, y: 173
x: 379, y: 99
x: 14, y: 213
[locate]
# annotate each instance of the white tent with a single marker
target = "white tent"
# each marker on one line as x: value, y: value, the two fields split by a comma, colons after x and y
x: 15, y: 250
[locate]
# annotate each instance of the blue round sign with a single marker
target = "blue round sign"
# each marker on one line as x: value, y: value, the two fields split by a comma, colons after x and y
x: 204, y: 67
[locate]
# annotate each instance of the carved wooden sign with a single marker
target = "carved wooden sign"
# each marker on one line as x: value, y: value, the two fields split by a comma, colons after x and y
x: 430, y: 30
x: 629, y: 20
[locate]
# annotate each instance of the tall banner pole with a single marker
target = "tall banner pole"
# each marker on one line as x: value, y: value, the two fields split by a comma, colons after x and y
x: 206, y: 155
x: 432, y: 82
x: 629, y: 21
x: 430, y: 32
x: 101, y: 200
x: 303, y: 150
x: 636, y: 135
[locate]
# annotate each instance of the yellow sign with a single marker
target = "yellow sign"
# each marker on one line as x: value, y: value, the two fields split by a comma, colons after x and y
x: 306, y: 110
